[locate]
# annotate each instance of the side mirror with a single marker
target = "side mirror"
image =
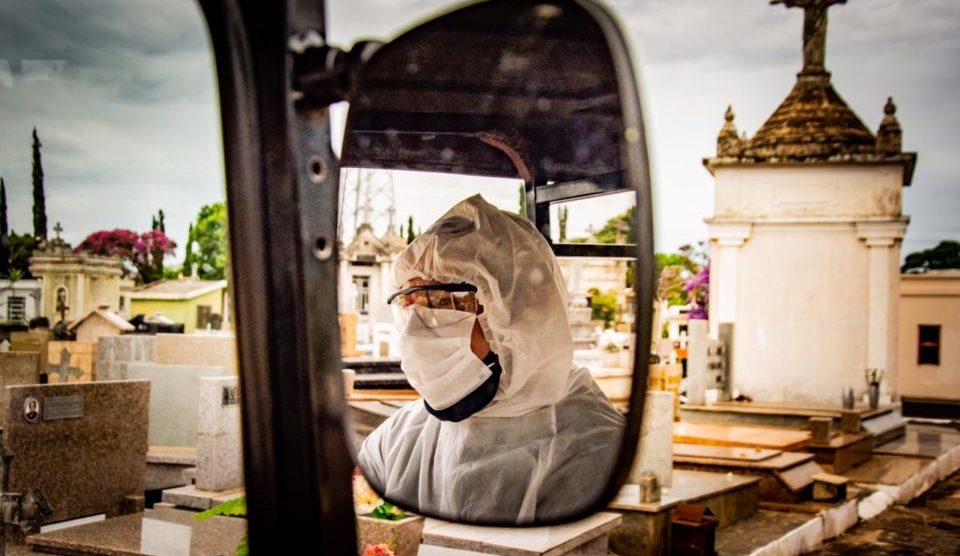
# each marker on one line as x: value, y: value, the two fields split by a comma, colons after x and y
x: 497, y: 98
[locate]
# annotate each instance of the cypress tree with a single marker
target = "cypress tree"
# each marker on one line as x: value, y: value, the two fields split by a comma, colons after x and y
x: 4, y: 232
x: 188, y: 256
x: 410, y: 235
x: 523, y: 201
x: 39, y: 197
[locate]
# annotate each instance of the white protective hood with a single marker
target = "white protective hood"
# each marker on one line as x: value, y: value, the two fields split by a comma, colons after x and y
x: 520, y: 287
x: 545, y: 446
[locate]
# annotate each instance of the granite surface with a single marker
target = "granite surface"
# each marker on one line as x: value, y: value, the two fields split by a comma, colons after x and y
x: 84, y: 465
x: 740, y: 436
x: 169, y: 532
x: 198, y: 499
x: 16, y: 367
x: 219, y: 442
x: 215, y: 350
x: 114, y: 352
x: 529, y: 541
x: 174, y: 400
x: 656, y: 438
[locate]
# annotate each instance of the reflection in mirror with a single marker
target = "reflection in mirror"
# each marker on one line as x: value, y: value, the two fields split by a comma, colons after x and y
x: 487, y: 303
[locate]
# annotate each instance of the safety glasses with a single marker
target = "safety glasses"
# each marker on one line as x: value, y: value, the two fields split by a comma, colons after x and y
x: 459, y: 297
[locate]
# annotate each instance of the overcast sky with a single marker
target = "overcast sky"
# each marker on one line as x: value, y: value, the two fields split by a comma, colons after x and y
x: 124, y: 97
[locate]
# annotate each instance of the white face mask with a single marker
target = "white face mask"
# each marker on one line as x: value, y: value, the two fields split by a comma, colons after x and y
x: 435, y: 355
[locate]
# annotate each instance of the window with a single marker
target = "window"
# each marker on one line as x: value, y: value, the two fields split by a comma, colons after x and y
x: 203, y: 316
x: 361, y: 285
x: 928, y: 344
x: 16, y: 308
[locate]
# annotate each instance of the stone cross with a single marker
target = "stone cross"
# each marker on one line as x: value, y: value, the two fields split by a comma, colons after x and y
x: 62, y: 307
x: 64, y: 369
x: 58, y: 228
x: 814, y: 30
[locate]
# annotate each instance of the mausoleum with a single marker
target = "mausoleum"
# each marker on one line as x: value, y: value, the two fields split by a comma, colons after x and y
x: 805, y: 239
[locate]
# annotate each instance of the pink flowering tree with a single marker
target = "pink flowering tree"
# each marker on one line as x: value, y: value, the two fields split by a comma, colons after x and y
x: 142, y: 253
x: 698, y: 292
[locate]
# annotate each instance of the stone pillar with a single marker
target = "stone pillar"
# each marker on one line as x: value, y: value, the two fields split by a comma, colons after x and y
x: 76, y: 308
x: 727, y: 238
x: 883, y: 294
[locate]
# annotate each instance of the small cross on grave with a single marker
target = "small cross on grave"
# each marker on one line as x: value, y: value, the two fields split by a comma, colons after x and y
x: 59, y: 229
x: 64, y: 369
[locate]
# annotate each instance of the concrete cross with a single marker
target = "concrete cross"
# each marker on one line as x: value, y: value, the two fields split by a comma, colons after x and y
x: 58, y: 228
x: 814, y: 30
x: 64, y: 369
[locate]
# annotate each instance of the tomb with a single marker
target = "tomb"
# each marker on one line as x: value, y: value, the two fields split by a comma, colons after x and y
x: 785, y: 477
x: 16, y: 367
x: 94, y: 435
x: 115, y: 352
x: 166, y: 531
x: 174, y: 398
x: 589, y: 536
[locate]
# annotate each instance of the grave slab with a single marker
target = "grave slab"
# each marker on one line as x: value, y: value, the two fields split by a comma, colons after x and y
x: 740, y: 436
x: 191, y: 497
x: 843, y: 451
x: 730, y: 497
x: 786, y: 477
x: 128, y: 535
x: 16, y: 367
x: 219, y: 454
x: 85, y: 447
x: 213, y: 350
x: 588, y: 536
x: 174, y: 399
x: 771, y: 415
x: 653, y: 450
x: 885, y: 427
x: 115, y: 352
x: 82, y: 356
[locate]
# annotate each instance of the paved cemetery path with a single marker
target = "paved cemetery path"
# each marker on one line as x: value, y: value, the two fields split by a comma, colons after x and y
x: 928, y: 525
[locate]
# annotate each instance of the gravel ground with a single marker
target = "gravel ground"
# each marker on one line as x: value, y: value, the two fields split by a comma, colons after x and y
x: 928, y: 525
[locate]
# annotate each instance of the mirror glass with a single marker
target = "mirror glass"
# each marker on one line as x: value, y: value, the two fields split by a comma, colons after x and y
x: 488, y: 267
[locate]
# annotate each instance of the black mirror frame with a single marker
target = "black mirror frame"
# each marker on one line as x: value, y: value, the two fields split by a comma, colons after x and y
x: 282, y: 191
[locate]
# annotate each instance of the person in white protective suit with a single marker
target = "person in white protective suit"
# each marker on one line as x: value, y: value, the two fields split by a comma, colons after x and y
x: 508, y: 430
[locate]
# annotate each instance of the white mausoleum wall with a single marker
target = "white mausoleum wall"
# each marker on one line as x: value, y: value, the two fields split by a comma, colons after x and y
x: 930, y: 299
x: 801, y: 327
x: 808, y: 191
x: 805, y: 264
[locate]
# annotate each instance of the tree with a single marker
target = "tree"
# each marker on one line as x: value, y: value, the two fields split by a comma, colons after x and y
x: 618, y: 229
x: 563, y: 214
x: 523, y: 201
x: 158, y: 222
x: 209, y: 238
x: 4, y: 232
x: 188, y: 257
x: 673, y: 272
x: 21, y: 249
x: 410, y: 233
x: 39, y: 198
x: 143, y: 252
x: 944, y: 256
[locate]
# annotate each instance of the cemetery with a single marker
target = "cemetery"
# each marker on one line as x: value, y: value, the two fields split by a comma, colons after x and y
x: 771, y: 424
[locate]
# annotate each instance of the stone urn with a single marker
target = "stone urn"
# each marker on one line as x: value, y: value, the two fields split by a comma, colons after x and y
x: 402, y: 536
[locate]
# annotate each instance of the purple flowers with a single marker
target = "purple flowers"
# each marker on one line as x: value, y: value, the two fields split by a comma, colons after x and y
x: 144, y: 251
x: 698, y: 288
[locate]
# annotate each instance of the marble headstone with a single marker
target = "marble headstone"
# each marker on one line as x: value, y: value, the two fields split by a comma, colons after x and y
x: 655, y: 449
x: 115, y: 352
x: 174, y: 399
x: 219, y: 443
x: 82, y: 445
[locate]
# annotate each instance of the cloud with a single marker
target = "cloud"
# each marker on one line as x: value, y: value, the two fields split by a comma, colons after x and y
x: 123, y: 93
